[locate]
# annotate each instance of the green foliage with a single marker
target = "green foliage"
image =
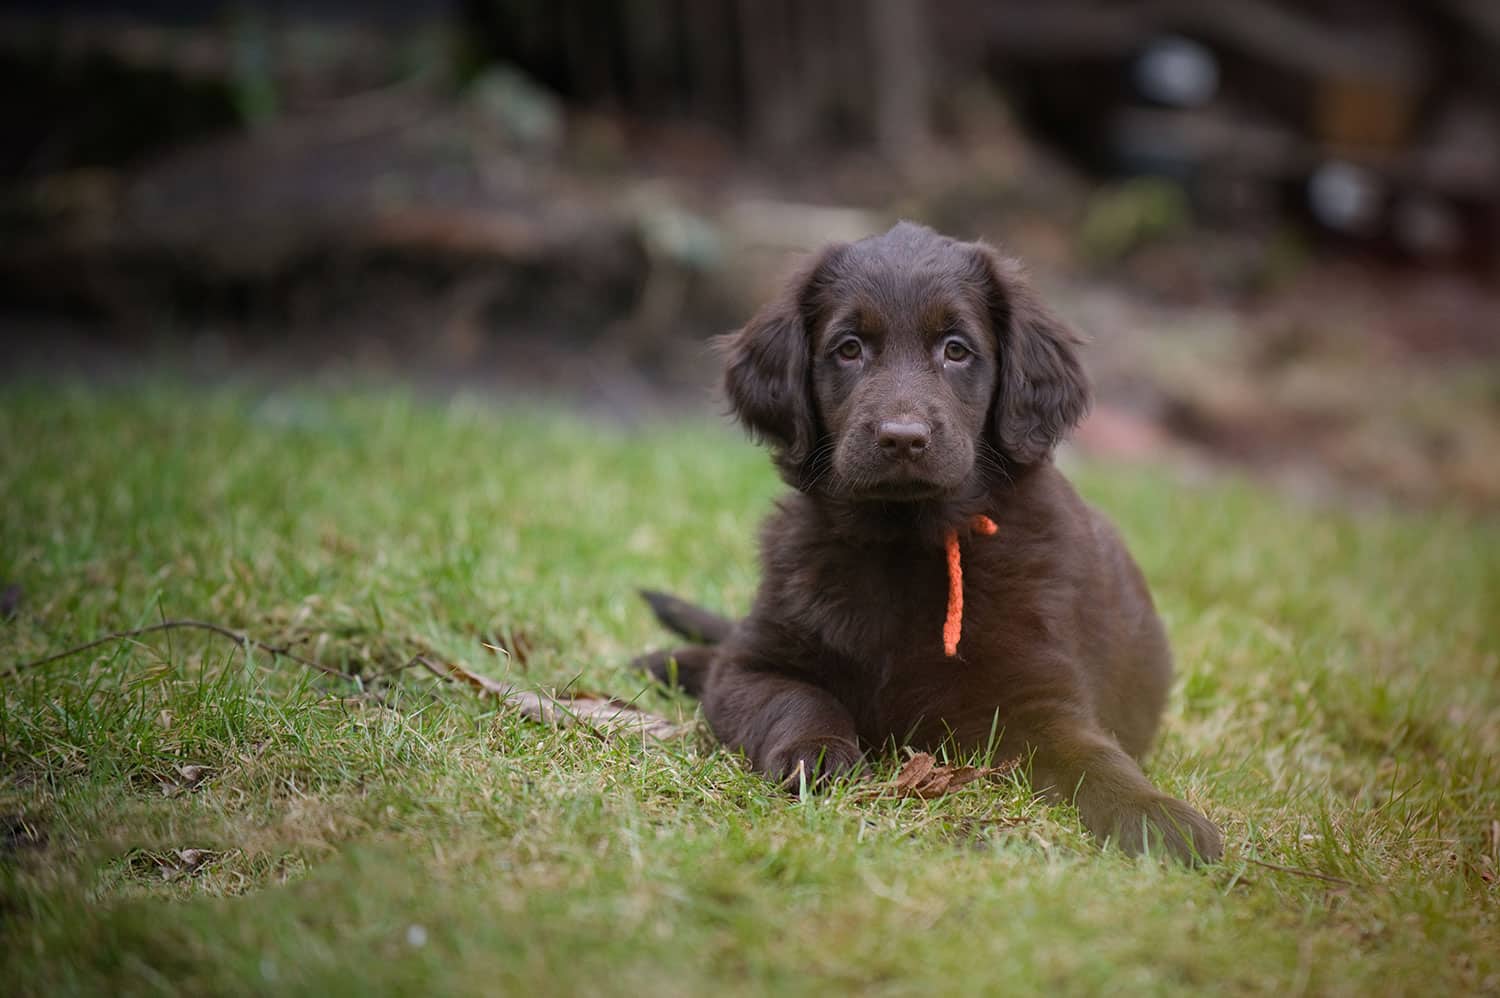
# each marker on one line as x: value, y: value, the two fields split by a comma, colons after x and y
x: 1123, y: 217
x: 1338, y: 712
x: 252, y: 75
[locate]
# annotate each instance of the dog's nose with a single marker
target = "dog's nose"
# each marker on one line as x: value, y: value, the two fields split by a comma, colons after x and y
x: 903, y: 438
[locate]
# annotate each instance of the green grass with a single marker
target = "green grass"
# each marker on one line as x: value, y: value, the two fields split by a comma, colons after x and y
x: 1337, y: 711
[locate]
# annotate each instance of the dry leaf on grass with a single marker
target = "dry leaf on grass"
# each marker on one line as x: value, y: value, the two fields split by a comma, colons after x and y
x: 176, y: 864
x: 923, y: 777
x: 184, y: 779
x: 192, y: 860
x: 915, y: 773
x: 605, y: 715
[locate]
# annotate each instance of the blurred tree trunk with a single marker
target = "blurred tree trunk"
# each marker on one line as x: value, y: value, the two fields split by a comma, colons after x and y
x: 901, y: 74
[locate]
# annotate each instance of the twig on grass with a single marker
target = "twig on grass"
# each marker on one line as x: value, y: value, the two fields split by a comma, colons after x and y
x: 392, y: 670
x: 428, y: 664
x: 604, y: 715
x: 1297, y: 871
x: 243, y: 640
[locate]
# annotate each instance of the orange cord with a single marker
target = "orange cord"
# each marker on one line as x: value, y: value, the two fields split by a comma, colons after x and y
x: 953, y: 624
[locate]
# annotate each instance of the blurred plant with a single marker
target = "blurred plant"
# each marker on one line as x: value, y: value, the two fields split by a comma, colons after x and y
x: 252, y: 80
x: 674, y: 233
x: 526, y: 112
x: 430, y: 54
x: 1121, y: 218
x: 1286, y: 255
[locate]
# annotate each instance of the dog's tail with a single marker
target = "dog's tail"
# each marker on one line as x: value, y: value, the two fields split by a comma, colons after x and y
x: 692, y: 622
x: 685, y: 667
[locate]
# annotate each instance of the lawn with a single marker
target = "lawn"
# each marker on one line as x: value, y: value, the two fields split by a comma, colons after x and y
x: 183, y: 815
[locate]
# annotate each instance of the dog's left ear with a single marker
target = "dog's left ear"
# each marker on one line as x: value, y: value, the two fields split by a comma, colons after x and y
x: 1042, y: 392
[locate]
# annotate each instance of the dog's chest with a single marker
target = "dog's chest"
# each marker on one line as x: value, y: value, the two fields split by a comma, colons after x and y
x: 874, y: 607
x: 880, y: 617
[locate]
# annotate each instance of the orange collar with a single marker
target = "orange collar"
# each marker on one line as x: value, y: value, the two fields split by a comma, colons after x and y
x: 953, y: 624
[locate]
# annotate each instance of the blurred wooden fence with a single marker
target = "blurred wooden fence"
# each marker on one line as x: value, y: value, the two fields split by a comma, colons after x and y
x: 782, y: 72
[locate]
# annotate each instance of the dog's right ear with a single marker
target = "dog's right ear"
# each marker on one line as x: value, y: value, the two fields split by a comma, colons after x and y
x: 766, y: 370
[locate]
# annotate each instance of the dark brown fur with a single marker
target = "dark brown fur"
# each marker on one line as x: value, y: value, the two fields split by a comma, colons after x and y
x: 889, y: 443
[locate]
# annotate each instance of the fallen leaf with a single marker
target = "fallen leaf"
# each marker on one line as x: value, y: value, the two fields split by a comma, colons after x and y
x: 924, y: 778
x: 915, y: 772
x: 184, y: 779
x: 181, y: 862
x: 935, y: 785
x: 190, y: 860
x: 962, y: 775
x: 190, y: 776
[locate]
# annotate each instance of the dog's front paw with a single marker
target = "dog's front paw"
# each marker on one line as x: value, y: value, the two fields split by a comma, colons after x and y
x: 1162, y: 824
x: 815, y: 762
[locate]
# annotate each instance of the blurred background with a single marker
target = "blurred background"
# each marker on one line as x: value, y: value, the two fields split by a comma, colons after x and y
x: 1277, y: 220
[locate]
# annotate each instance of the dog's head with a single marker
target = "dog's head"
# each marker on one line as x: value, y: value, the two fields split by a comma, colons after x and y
x: 900, y: 366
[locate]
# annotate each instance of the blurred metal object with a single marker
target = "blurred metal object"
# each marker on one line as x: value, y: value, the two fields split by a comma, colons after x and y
x: 1346, y: 197
x: 1177, y: 72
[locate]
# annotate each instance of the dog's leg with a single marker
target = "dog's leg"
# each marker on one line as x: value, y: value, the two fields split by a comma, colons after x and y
x: 789, y: 729
x: 1074, y: 760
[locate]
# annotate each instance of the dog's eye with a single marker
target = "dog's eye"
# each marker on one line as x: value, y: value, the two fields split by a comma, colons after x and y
x: 955, y: 351
x: 850, y: 349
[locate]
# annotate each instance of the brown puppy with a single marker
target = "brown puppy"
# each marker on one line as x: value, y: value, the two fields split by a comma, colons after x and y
x: 905, y: 384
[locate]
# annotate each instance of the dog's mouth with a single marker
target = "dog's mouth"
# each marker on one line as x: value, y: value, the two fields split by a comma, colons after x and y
x: 904, y: 492
x: 905, y: 486
x: 863, y: 472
